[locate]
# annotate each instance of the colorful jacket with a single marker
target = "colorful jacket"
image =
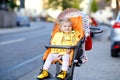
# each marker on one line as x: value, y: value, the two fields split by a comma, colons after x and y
x: 61, y: 38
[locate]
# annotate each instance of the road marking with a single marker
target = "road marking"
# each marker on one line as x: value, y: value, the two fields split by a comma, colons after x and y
x: 20, y: 65
x: 12, y: 41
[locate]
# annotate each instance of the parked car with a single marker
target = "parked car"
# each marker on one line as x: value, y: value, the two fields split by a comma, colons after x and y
x: 23, y: 21
x: 115, y: 37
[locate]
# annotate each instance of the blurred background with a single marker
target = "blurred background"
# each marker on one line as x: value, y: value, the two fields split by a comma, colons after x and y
x: 49, y: 9
x: 26, y: 25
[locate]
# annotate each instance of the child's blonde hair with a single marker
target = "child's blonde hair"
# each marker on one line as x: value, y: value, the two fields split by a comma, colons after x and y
x: 62, y: 21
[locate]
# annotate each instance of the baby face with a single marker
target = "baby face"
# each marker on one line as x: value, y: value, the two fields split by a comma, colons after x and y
x: 66, y: 27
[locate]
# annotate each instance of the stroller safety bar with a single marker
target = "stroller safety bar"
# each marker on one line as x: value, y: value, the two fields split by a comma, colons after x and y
x: 60, y: 46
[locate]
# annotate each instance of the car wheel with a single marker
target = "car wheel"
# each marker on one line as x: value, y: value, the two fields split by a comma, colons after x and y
x: 28, y: 25
x: 114, y: 53
x: 18, y: 24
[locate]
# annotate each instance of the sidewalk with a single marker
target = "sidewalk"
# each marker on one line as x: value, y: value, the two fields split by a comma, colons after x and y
x: 33, y: 25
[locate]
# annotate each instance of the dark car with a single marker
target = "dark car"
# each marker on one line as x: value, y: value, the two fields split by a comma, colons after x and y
x: 115, y: 37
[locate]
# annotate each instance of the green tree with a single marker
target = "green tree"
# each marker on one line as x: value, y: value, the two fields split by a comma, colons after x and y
x: 107, y: 1
x: 8, y: 4
x: 55, y: 4
x: 94, y: 6
x: 12, y: 4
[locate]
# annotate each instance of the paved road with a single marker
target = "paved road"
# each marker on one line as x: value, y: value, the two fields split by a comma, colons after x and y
x: 20, y: 50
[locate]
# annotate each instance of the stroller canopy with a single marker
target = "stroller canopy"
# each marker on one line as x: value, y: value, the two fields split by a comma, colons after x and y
x: 80, y: 21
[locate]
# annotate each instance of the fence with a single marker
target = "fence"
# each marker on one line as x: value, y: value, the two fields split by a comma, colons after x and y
x: 7, y: 19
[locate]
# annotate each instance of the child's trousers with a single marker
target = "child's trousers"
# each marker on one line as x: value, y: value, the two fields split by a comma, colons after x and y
x: 51, y: 57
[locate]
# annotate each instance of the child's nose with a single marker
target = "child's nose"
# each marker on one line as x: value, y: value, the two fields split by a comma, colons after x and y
x: 67, y: 26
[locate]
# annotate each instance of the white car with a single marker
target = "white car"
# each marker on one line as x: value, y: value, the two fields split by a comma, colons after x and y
x: 115, y: 37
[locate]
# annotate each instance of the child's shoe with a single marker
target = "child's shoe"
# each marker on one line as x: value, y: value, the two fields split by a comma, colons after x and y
x: 62, y: 75
x: 43, y: 74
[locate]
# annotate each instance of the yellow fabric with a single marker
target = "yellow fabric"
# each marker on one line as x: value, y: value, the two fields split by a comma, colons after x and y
x: 61, y: 38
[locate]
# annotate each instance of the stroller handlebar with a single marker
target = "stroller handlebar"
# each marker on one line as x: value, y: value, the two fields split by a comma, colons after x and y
x: 60, y: 46
x: 95, y: 30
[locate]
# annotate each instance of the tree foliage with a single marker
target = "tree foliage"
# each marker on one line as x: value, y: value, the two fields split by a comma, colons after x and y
x: 12, y: 4
x: 8, y: 4
x: 107, y: 1
x: 94, y: 6
x: 55, y: 4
